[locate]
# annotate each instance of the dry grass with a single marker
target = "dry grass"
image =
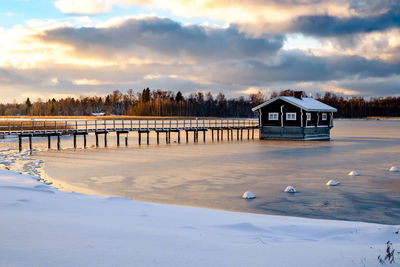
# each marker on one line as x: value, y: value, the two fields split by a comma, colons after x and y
x: 382, y: 118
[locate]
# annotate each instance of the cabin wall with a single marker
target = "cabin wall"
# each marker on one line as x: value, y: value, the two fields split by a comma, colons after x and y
x: 295, y: 133
x: 276, y: 107
x: 316, y: 117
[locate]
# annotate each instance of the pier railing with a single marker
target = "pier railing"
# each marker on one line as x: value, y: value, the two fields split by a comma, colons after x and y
x: 48, y: 128
x: 40, y: 126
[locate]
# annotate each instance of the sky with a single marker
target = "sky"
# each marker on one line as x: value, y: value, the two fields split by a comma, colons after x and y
x: 79, y: 48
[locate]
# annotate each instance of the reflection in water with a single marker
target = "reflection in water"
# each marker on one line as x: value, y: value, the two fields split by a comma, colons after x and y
x: 216, y: 174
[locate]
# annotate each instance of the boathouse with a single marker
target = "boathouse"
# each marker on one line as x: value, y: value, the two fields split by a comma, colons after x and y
x: 295, y: 118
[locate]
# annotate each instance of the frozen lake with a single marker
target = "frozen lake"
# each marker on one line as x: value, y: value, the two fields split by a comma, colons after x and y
x: 215, y: 175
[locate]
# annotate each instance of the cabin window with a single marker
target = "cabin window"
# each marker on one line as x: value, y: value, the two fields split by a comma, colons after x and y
x: 308, y: 116
x: 291, y: 116
x: 273, y: 116
x: 324, y: 116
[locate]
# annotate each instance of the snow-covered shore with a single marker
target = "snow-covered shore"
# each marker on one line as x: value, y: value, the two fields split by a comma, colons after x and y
x: 42, y: 226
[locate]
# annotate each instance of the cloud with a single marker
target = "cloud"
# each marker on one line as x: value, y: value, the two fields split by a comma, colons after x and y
x: 383, y: 45
x: 83, y: 7
x: 295, y: 70
x: 160, y: 37
x: 375, y: 86
x: 298, y: 67
x: 52, y: 58
x: 257, y: 17
x: 325, y: 25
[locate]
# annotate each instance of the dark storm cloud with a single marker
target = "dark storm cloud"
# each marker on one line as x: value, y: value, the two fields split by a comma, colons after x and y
x: 324, y: 25
x: 165, y: 37
x: 299, y: 67
x: 375, y: 87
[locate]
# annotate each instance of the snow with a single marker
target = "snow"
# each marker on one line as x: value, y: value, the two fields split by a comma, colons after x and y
x: 248, y: 195
x: 290, y: 189
x: 394, y: 169
x: 42, y: 226
x: 306, y: 103
x: 332, y: 183
x: 353, y: 173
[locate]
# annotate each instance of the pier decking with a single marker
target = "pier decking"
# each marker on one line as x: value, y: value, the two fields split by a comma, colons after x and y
x: 48, y: 128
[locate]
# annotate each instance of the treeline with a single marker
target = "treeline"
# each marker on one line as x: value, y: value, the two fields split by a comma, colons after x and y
x: 358, y: 107
x: 167, y: 103
x: 146, y: 103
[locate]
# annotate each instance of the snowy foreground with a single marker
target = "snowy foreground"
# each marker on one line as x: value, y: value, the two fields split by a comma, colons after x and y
x: 41, y: 226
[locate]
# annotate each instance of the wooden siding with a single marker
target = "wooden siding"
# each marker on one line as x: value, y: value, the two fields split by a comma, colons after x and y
x: 276, y: 107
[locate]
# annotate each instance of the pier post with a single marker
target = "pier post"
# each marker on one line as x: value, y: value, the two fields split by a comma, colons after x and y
x: 20, y: 143
x: 248, y: 134
x: 222, y: 134
x: 252, y: 133
x: 58, y: 142
x: 158, y: 137
x: 241, y: 133
x: 212, y: 135
x: 140, y: 138
x: 237, y: 134
x: 148, y: 142
x: 105, y: 139
x: 75, y: 140
x: 194, y: 136
x: 204, y: 136
x: 126, y: 140
x: 97, y: 139
x: 84, y: 141
x: 232, y: 134
x: 187, y: 137
x: 179, y: 136
x: 49, y: 141
x: 169, y: 135
x: 217, y: 134
x: 30, y: 144
x: 117, y: 138
x: 166, y: 137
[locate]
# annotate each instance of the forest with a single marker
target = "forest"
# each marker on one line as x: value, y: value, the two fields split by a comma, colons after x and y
x: 167, y: 103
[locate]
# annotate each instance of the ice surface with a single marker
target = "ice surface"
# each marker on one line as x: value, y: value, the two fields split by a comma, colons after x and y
x: 215, y: 174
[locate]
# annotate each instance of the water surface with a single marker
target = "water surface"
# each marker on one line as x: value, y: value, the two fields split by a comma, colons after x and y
x: 215, y: 174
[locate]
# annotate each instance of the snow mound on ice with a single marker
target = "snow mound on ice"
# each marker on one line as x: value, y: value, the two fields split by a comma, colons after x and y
x: 394, y: 169
x: 353, y: 173
x: 332, y: 183
x: 248, y: 195
x: 290, y: 189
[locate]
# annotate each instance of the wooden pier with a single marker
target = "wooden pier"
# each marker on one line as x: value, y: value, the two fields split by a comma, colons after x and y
x: 24, y: 128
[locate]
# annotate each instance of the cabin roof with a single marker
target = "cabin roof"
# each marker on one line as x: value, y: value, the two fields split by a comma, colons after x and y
x: 306, y: 103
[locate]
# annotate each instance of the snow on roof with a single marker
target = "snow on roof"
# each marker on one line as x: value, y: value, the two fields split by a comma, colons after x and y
x: 306, y: 103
